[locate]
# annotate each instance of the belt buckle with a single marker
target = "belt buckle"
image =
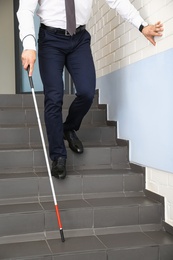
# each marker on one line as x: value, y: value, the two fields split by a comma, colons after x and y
x: 67, y: 33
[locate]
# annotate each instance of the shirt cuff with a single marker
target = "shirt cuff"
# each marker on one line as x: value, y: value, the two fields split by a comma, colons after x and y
x: 137, y: 21
x: 29, y: 43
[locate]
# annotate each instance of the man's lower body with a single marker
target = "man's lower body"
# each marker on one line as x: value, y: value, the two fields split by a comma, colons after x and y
x: 56, y: 51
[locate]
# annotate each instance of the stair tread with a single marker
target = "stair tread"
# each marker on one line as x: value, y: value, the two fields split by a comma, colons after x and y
x: 78, y: 204
x: 42, y: 172
x: 37, y: 146
x: 79, y: 214
x: 96, y: 247
x: 35, y: 125
x: 26, y: 100
x: 93, y: 183
x: 136, y: 239
x: 93, y: 157
x: 30, y: 136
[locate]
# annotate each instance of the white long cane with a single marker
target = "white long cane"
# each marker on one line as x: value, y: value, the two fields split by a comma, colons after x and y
x: 46, y: 159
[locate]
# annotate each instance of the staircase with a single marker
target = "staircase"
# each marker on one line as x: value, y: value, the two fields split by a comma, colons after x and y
x: 105, y: 212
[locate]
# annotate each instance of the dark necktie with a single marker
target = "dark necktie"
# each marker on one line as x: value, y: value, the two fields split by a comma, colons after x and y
x: 70, y: 16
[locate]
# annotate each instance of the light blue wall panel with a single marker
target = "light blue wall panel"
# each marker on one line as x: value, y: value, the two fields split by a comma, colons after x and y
x: 140, y: 99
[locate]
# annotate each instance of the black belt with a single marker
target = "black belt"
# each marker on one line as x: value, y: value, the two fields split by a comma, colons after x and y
x: 61, y: 31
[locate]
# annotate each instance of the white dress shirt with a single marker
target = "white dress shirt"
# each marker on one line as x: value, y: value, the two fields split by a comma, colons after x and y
x: 52, y: 13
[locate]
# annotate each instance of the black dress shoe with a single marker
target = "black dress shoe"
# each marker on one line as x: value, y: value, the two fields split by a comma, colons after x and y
x: 74, y: 143
x: 59, y: 168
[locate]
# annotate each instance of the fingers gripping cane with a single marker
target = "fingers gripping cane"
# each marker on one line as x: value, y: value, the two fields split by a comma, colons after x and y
x: 46, y: 159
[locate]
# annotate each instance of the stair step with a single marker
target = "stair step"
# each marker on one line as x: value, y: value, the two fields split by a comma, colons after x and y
x: 34, y: 186
x: 26, y: 100
x: 30, y: 136
x: 93, y: 157
x: 127, y: 246
x: 27, y: 117
x: 91, y: 214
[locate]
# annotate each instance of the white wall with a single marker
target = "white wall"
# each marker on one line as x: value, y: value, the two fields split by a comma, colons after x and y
x: 135, y: 80
x: 162, y: 183
x: 7, y: 61
x: 116, y: 43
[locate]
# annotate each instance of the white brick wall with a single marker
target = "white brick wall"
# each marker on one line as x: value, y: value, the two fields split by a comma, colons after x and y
x: 116, y: 43
x: 162, y: 184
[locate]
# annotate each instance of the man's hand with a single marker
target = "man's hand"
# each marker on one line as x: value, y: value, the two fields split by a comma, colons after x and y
x: 28, y: 59
x: 151, y: 31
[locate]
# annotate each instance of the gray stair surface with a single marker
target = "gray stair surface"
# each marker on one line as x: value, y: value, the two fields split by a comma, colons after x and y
x: 104, y: 209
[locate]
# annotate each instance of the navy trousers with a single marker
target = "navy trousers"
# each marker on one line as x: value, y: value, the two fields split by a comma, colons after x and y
x: 56, y: 51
